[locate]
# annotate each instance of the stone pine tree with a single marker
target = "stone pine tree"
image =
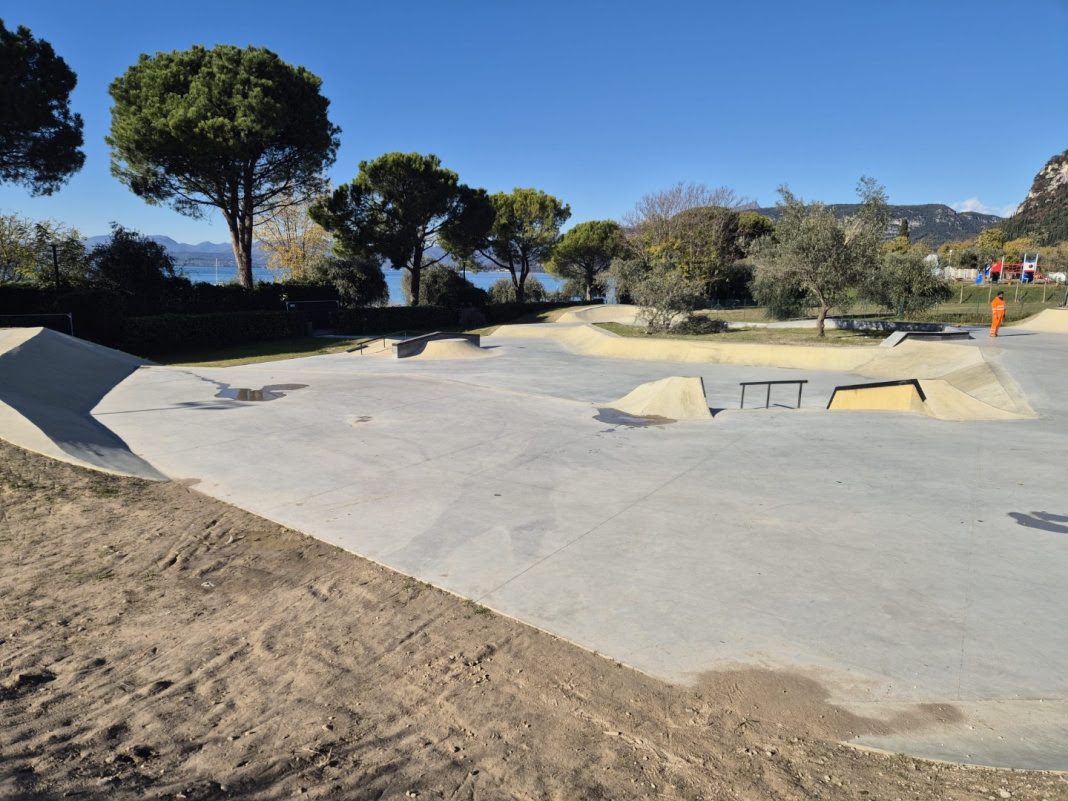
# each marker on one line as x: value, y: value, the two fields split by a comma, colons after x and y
x: 408, y: 209
x: 39, y: 136
x: 238, y: 130
x: 584, y: 255
x: 525, y: 230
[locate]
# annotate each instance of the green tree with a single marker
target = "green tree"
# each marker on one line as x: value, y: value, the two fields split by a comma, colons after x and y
x: 820, y: 255
x: 905, y: 284
x: 359, y: 282
x: 136, y: 268
x: 26, y: 252
x: 399, y: 207
x: 584, y: 255
x: 503, y: 291
x: 443, y: 286
x: 39, y: 136
x: 525, y: 230
x: 237, y: 130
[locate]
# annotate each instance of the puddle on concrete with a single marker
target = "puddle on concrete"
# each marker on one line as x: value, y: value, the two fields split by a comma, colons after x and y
x: 268, y: 393
x: 618, y: 418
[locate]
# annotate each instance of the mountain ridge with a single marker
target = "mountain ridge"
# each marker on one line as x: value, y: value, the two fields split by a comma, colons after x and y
x: 931, y: 223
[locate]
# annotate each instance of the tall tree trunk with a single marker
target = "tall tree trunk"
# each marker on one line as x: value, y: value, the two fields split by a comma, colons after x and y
x: 241, y: 242
x: 821, y: 318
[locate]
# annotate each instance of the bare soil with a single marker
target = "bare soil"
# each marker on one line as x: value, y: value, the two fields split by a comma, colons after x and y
x: 156, y: 643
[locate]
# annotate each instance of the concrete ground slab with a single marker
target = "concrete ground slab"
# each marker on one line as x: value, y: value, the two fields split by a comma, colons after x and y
x: 898, y: 558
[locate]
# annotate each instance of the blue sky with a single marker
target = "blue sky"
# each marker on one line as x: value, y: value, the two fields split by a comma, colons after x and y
x: 598, y: 103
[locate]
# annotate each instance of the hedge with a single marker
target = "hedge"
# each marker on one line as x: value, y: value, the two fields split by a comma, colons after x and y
x: 145, y: 336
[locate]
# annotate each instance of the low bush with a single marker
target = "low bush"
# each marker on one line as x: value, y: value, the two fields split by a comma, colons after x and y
x: 698, y: 324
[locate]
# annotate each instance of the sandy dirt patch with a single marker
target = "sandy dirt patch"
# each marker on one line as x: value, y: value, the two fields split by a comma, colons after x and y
x: 156, y: 643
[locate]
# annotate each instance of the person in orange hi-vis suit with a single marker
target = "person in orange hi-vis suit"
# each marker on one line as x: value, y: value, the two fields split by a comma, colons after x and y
x: 997, y: 313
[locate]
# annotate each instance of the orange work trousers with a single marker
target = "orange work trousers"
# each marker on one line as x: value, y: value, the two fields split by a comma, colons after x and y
x: 995, y: 323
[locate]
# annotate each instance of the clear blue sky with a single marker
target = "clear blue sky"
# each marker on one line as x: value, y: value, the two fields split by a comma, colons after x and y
x: 944, y: 101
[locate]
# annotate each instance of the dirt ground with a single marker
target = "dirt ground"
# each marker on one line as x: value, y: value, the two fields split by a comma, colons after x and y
x: 156, y: 643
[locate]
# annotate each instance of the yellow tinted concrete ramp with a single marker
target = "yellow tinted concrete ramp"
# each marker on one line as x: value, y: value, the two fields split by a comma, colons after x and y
x: 948, y: 402
x: 458, y: 348
x: 888, y: 397
x: 676, y: 398
x: 1050, y: 321
x: 49, y: 384
x: 603, y: 313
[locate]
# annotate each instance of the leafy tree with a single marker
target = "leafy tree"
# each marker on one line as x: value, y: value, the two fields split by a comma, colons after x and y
x: 399, y: 207
x: 584, y: 255
x: 503, y: 291
x: 905, y: 284
x: 292, y: 240
x: 753, y: 227
x: 39, y: 137
x: 663, y: 294
x: 821, y: 255
x: 26, y: 252
x: 359, y: 282
x: 237, y: 130
x: 443, y: 286
x: 138, y: 269
x: 696, y: 229
x: 525, y: 230
x: 991, y: 241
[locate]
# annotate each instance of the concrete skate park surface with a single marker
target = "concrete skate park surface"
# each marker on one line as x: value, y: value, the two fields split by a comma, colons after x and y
x: 904, y: 562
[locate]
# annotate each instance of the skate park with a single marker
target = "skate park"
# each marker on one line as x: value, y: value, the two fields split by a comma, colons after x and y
x: 905, y: 558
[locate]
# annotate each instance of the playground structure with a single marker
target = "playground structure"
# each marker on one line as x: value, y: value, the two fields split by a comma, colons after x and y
x: 1025, y: 272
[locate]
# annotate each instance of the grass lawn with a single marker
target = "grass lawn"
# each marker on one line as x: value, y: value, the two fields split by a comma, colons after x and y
x: 273, y: 350
x: 760, y: 336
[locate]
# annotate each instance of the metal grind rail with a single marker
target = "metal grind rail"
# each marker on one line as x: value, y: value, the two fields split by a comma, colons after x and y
x: 767, y: 401
x: 384, y: 339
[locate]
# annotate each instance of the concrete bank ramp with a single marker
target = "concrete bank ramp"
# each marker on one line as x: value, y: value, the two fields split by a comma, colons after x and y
x: 676, y: 398
x: 457, y: 348
x: 1049, y: 321
x: 603, y: 313
x: 49, y: 385
x: 889, y: 396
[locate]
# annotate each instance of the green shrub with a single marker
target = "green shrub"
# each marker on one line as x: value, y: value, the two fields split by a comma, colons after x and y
x: 698, y: 324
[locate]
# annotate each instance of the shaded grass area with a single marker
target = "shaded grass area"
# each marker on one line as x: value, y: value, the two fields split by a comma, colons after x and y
x: 252, y: 353
x: 759, y: 336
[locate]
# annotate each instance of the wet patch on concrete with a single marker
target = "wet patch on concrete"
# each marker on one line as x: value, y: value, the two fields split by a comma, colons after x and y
x: 618, y: 418
x: 267, y: 393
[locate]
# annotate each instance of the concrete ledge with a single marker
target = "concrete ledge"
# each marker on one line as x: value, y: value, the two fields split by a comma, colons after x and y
x: 946, y: 333
x: 410, y: 347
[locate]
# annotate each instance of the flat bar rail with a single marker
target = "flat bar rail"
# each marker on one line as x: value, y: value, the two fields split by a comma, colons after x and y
x: 362, y: 347
x: 767, y: 401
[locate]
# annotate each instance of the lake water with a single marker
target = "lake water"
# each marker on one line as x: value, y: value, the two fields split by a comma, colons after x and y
x: 228, y: 274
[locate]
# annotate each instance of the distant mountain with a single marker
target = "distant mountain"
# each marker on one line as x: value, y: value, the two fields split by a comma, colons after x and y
x: 1043, y: 215
x: 932, y: 223
x: 203, y: 254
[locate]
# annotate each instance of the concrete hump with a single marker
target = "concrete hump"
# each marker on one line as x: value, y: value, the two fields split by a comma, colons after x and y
x: 1049, y: 321
x: 450, y: 349
x: 49, y: 385
x: 887, y: 396
x: 676, y: 398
